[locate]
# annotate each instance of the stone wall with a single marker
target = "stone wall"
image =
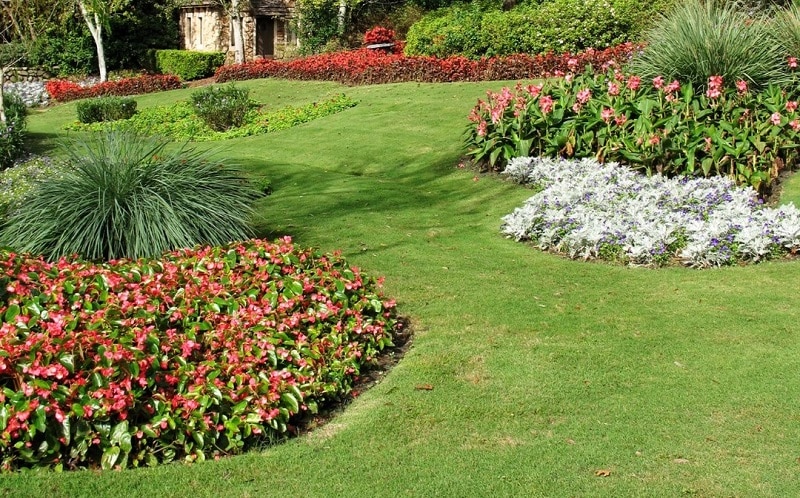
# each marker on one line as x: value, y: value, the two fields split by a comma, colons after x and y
x: 16, y: 74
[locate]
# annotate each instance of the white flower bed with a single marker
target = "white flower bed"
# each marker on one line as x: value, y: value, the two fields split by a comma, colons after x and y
x: 591, y: 210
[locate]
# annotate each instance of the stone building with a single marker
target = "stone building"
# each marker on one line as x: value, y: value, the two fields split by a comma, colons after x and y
x: 267, y: 28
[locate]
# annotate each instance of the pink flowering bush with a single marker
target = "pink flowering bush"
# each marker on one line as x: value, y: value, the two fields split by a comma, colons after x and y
x: 201, y: 353
x: 654, y: 126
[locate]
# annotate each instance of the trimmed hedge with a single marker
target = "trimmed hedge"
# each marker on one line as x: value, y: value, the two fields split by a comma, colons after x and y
x: 105, y: 109
x: 551, y: 26
x: 187, y: 64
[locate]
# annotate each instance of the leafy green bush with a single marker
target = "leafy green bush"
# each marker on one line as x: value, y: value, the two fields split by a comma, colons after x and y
x: 704, y: 38
x: 187, y: 64
x: 221, y: 107
x: 105, y: 109
x: 12, y: 134
x: 123, y: 195
x: 200, y: 353
x: 654, y: 126
x: 179, y: 122
x: 446, y: 32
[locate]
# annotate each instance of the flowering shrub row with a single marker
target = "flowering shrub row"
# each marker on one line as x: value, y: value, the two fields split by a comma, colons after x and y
x: 180, y: 122
x: 372, y: 67
x: 65, y: 91
x: 200, y: 354
x: 590, y: 210
x: 668, y: 127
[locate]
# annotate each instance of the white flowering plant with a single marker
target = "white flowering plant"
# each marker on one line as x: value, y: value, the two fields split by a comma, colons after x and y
x: 589, y: 210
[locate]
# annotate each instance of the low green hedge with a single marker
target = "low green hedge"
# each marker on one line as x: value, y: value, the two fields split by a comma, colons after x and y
x: 105, y: 109
x: 188, y: 65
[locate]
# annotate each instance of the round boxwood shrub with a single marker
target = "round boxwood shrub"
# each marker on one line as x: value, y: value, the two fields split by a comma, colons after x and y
x: 124, y: 195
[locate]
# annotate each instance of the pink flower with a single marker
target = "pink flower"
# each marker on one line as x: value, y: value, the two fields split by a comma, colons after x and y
x: 658, y: 82
x: 714, y: 87
x: 535, y: 90
x: 775, y: 119
x: 741, y: 87
x: 793, y: 62
x: 568, y: 77
x: 673, y: 87
x: 791, y: 105
x: 613, y: 89
x: 482, y: 129
x: 654, y: 140
x: 584, y: 95
x: 572, y: 62
x: 621, y: 119
x: 546, y: 104
x: 634, y: 82
x: 607, y: 113
x: 795, y: 124
x: 576, y: 107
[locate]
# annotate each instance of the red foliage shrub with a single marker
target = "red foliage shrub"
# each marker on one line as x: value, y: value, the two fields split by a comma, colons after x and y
x: 363, y: 66
x: 65, y: 91
x: 379, y: 34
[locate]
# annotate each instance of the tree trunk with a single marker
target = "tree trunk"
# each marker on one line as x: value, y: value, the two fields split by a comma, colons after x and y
x: 342, y: 14
x: 96, y: 29
x: 237, y: 25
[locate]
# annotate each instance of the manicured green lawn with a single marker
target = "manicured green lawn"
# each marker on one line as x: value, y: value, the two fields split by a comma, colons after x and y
x: 544, y: 370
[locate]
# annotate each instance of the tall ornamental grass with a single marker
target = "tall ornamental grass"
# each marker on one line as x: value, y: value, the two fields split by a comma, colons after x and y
x: 123, y: 195
x: 787, y: 29
x: 699, y: 39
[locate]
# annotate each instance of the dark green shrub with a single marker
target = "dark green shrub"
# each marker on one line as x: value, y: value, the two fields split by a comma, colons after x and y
x: 710, y: 38
x: 122, y: 195
x: 12, y: 134
x: 66, y: 50
x: 105, y: 109
x: 187, y: 64
x: 221, y: 107
x: 316, y: 24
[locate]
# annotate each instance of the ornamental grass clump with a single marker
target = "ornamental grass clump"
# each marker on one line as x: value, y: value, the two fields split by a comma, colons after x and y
x: 786, y: 28
x: 705, y: 38
x: 125, y: 196
x: 589, y: 210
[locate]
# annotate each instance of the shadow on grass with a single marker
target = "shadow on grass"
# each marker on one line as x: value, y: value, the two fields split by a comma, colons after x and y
x: 42, y: 143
